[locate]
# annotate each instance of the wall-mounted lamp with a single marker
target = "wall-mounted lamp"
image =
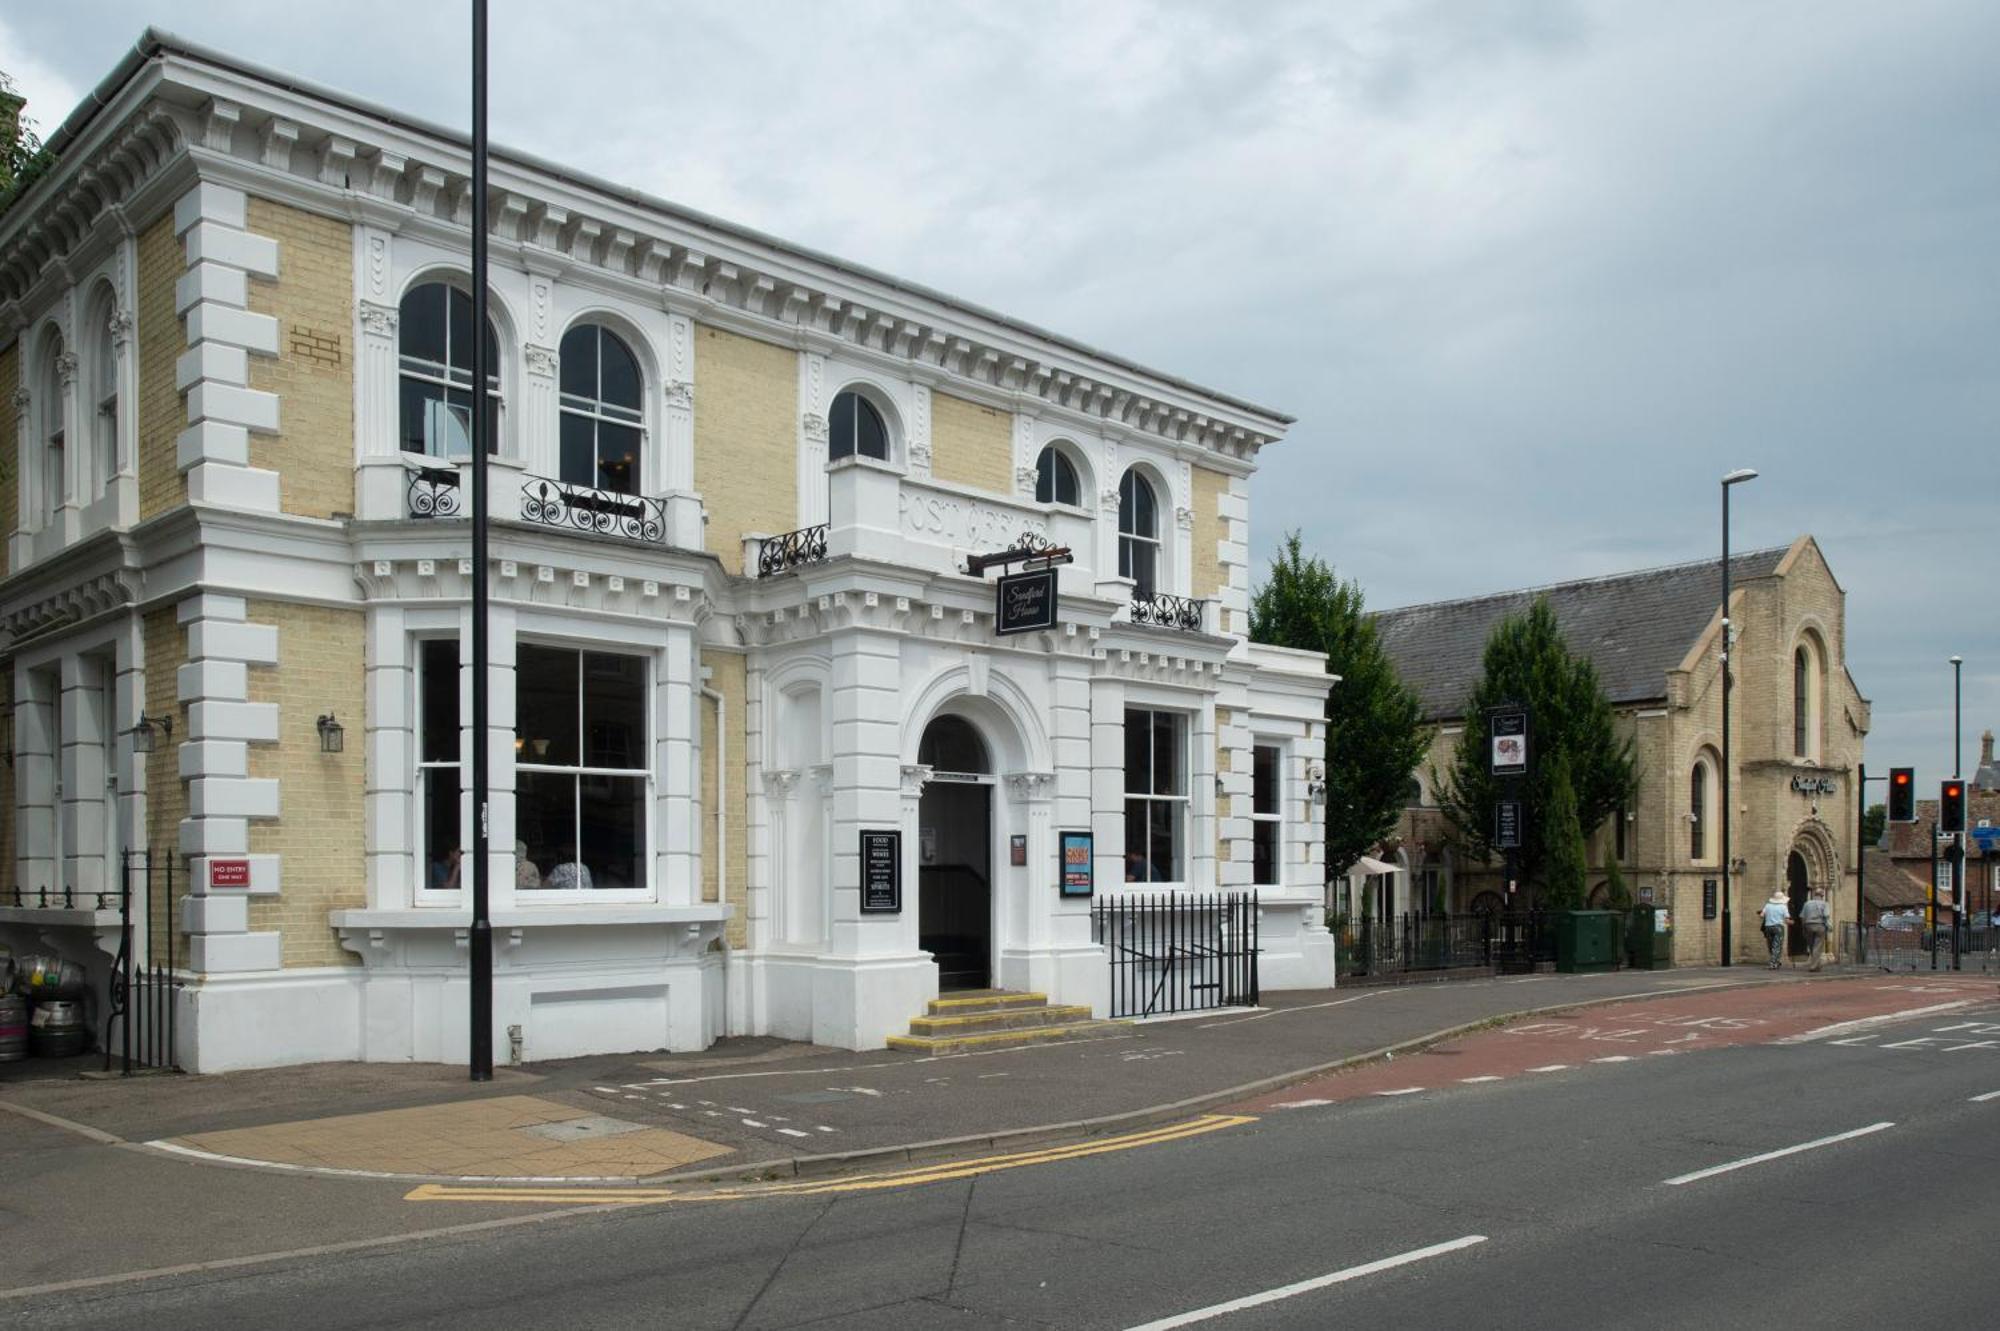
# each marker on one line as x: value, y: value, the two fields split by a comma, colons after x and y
x: 1315, y: 783
x: 149, y: 730
x: 332, y: 735
x: 1738, y: 866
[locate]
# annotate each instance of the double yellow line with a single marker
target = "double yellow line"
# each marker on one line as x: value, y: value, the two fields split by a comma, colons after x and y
x: 941, y: 1172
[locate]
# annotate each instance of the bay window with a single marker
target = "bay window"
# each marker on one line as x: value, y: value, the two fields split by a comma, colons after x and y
x: 583, y: 783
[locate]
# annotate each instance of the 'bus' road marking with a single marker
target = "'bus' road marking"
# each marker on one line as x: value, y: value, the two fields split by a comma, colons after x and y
x: 1307, y: 1286
x: 1713, y: 1170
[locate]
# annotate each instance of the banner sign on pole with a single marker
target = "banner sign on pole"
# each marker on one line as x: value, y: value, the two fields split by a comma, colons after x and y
x: 1508, y: 729
x: 1507, y: 824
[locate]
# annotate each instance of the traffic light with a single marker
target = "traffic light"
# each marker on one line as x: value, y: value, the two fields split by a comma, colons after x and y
x: 1902, y: 794
x: 1951, y: 806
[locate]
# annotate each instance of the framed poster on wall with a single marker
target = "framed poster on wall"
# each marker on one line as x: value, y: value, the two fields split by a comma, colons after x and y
x: 881, y: 871
x: 1078, y: 863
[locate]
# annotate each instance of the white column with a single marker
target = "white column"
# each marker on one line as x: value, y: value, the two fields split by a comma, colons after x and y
x: 390, y: 746
x: 1107, y: 781
x: 536, y: 422
x: 36, y: 698
x: 812, y: 508
x: 68, y: 513
x: 501, y: 712
x: 1032, y: 795
x: 124, y: 480
x: 81, y: 763
x: 26, y: 457
x: 678, y: 870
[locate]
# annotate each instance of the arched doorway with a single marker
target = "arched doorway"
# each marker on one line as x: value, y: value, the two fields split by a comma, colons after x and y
x: 954, y: 853
x: 1798, y: 883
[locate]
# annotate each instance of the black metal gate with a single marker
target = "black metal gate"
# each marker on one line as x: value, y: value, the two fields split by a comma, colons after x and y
x: 1178, y: 951
x: 145, y: 989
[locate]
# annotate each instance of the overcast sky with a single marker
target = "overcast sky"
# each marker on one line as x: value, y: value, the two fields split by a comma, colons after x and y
x: 1532, y: 275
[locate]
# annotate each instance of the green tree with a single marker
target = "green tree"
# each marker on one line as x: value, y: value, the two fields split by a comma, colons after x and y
x: 1563, y: 872
x: 1874, y: 822
x: 1616, y: 895
x: 1375, y: 731
x: 1527, y: 661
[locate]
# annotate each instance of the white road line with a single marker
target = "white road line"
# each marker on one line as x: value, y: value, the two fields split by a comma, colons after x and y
x: 1474, y: 1081
x: 1982, y: 1099
x: 1713, y: 1170
x: 1307, y: 1286
x: 794, y: 1132
x: 1863, y: 1023
x: 1301, y: 1104
x: 753, y: 1123
x: 1551, y: 1067
x: 1613, y: 1058
x: 1407, y: 1090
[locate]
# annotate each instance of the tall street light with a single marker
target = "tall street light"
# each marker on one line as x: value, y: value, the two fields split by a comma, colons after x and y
x: 479, y: 1052
x: 1960, y: 898
x: 1736, y: 477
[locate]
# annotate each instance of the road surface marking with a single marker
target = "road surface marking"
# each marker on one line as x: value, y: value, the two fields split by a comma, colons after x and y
x: 794, y: 1132
x: 1551, y: 1067
x: 446, y: 1192
x: 1863, y: 1023
x: 1301, y: 1104
x: 1713, y: 1170
x: 1982, y: 1099
x: 1613, y: 1058
x: 1407, y: 1090
x: 1307, y: 1286
x: 753, y: 1123
x: 1474, y: 1081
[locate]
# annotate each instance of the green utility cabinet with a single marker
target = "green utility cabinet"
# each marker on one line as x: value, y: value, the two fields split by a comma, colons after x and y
x: 1649, y: 939
x: 1588, y: 940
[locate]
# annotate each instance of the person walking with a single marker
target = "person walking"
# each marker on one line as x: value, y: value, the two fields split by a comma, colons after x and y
x: 1776, y: 915
x: 1815, y: 916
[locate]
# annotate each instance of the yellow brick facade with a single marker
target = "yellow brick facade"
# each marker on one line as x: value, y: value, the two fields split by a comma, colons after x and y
x: 319, y: 828
x: 971, y: 445
x: 313, y: 372
x: 10, y: 443
x: 745, y: 439
x: 7, y: 781
x: 161, y: 340
x: 1206, y: 578
x: 725, y: 676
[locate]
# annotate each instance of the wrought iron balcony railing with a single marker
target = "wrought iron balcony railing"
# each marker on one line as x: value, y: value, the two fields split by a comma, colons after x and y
x: 1170, y: 612
x: 585, y: 508
x: 434, y: 492
x: 792, y: 550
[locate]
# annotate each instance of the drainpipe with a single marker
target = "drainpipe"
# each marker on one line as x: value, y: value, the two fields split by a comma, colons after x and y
x: 721, y: 859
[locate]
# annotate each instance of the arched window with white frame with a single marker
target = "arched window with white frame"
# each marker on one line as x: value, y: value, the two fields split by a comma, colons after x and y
x: 434, y: 346
x: 103, y: 380
x: 54, y: 434
x: 1138, y: 533
x: 1704, y: 808
x: 1805, y: 700
x: 855, y: 428
x: 1056, y: 479
x: 603, y: 424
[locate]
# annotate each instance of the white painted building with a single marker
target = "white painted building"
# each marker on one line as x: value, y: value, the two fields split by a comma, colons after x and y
x: 735, y: 486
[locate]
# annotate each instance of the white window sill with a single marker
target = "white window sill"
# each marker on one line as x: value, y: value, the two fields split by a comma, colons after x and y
x: 555, y: 915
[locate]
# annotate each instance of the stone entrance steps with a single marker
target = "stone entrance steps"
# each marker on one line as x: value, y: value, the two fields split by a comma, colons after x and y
x: 972, y: 1019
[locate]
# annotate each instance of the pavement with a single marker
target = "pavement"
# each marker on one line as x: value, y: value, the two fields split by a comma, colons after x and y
x: 763, y: 1109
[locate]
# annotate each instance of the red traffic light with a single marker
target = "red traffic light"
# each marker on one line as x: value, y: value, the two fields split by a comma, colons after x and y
x: 1902, y: 794
x: 1951, y: 806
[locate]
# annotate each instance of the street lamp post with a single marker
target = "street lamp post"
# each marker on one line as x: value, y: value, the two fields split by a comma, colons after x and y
x: 479, y: 939
x: 1956, y: 855
x: 1736, y: 477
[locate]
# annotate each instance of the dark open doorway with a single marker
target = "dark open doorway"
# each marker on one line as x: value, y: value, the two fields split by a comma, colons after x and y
x: 1798, y: 887
x: 954, y: 855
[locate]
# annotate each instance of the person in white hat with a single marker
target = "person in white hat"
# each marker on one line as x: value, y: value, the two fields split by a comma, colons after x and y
x: 1777, y: 914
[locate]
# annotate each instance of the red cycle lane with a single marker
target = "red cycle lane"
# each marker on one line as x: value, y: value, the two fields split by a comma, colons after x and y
x: 1620, y: 1033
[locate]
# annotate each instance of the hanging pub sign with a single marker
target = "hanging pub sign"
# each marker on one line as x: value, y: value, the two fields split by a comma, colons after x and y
x: 1078, y: 861
x: 1507, y: 726
x: 881, y: 871
x: 1507, y: 824
x: 1025, y: 602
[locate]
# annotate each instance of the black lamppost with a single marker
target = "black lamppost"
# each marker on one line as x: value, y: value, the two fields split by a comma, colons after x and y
x: 1736, y: 477
x: 1960, y: 898
x: 480, y: 937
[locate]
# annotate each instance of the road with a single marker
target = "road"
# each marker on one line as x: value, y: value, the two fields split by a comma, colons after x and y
x: 1795, y: 1170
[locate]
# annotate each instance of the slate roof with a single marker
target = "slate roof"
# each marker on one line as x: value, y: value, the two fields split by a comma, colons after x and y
x: 1888, y: 886
x: 1633, y: 626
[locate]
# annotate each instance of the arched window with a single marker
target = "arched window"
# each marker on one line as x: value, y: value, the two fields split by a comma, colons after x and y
x: 601, y: 415
x: 1138, y: 533
x: 434, y: 338
x: 1055, y: 478
x: 950, y: 744
x: 854, y: 426
x: 1805, y: 700
x: 53, y: 436
x: 1698, y: 811
x: 1413, y: 794
x: 103, y: 395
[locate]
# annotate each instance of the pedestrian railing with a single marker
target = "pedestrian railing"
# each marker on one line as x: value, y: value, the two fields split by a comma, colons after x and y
x: 1914, y: 948
x: 141, y: 1021
x: 1178, y: 951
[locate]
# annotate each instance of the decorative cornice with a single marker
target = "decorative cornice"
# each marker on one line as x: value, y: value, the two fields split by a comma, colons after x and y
x: 121, y: 323
x: 542, y: 360
x: 66, y: 367
x: 814, y: 426
x: 378, y: 320
x: 915, y: 777
x: 680, y: 395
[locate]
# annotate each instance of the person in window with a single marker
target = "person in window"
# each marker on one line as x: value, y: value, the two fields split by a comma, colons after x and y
x: 569, y: 875
x: 444, y: 871
x: 1139, y: 869
x: 526, y: 875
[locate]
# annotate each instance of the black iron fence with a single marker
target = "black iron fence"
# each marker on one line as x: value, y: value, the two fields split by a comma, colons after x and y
x: 778, y: 554
x: 1912, y: 947
x: 586, y: 508
x: 1170, y: 612
x: 434, y: 492
x: 1178, y: 951
x: 1413, y: 944
x: 142, y: 1018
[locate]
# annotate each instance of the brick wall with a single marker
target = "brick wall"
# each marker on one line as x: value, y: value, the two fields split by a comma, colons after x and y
x: 971, y: 445
x: 313, y: 372
x: 746, y: 422
x: 1206, y: 579
x: 726, y: 677
x: 166, y: 793
x: 161, y: 341
x: 319, y: 830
